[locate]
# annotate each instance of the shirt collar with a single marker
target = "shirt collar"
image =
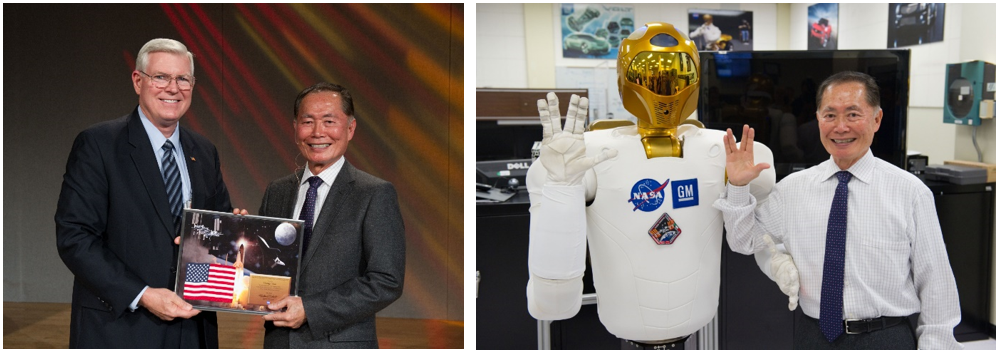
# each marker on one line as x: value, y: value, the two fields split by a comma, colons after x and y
x: 862, y: 170
x: 155, y: 136
x: 328, y: 175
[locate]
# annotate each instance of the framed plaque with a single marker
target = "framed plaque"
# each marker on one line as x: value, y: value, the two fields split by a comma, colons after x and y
x: 237, y: 263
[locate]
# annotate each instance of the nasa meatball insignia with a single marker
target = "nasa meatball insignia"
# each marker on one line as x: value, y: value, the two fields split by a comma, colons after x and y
x: 647, y: 195
x: 665, y: 231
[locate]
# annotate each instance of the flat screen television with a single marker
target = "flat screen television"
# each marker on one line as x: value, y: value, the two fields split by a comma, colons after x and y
x: 774, y: 92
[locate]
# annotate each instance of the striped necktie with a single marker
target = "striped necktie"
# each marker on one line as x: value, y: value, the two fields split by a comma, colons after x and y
x: 831, y: 305
x: 171, y: 178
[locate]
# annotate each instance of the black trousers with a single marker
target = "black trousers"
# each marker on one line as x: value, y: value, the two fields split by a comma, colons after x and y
x: 808, y: 336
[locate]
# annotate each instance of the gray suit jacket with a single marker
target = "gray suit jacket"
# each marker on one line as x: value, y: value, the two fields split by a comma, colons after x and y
x: 355, y: 263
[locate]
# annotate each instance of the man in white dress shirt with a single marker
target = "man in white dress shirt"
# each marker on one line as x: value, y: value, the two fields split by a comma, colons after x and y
x: 893, y: 262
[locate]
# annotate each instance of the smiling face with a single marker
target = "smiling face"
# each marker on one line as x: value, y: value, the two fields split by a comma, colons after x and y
x: 847, y: 123
x: 322, y: 130
x: 163, y: 107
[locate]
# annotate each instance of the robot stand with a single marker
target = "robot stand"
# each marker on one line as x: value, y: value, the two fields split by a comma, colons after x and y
x: 707, y: 337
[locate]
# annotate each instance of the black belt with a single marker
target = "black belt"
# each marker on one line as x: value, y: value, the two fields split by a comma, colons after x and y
x: 858, y: 326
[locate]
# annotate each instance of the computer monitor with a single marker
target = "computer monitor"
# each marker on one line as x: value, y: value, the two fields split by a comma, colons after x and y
x: 774, y: 92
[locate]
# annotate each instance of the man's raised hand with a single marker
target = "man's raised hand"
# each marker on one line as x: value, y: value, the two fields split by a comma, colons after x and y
x: 739, y: 158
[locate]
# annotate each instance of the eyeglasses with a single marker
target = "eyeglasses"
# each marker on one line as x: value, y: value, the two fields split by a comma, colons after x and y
x: 160, y: 81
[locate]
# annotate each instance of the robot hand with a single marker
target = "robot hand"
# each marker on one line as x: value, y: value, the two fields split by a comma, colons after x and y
x: 784, y: 272
x: 739, y: 158
x: 563, y: 152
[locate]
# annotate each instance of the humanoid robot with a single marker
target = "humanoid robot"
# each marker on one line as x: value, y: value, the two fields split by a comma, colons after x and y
x: 640, y: 195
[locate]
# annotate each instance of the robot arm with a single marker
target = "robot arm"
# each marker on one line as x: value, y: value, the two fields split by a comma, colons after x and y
x: 778, y: 265
x: 557, y: 251
x: 761, y: 186
x: 772, y: 259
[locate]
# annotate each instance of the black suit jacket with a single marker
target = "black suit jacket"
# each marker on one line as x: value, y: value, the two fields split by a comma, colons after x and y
x: 115, y: 233
x: 355, y: 263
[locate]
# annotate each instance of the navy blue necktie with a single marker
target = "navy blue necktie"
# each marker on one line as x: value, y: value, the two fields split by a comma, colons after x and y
x: 831, y: 306
x: 309, y: 210
x: 171, y: 178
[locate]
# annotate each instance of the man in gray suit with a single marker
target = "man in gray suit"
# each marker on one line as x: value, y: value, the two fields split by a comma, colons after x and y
x: 354, y: 247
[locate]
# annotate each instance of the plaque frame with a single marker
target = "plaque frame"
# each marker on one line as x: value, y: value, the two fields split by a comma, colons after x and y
x: 214, y: 238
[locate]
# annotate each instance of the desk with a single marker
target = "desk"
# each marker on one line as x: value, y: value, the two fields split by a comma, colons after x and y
x: 501, y: 317
x: 967, y: 219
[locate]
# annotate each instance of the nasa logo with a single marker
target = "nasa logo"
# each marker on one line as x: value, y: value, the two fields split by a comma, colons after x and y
x: 685, y: 193
x: 647, y: 195
x: 665, y: 231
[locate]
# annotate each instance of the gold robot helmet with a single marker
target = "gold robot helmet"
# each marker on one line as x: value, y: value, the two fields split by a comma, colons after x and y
x: 658, y: 73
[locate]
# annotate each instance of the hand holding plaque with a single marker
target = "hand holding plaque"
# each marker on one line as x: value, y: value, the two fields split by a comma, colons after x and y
x: 289, y: 312
x: 237, y: 262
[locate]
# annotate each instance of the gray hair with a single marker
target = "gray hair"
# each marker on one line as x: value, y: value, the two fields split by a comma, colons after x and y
x: 346, y: 103
x: 872, y: 94
x: 162, y: 45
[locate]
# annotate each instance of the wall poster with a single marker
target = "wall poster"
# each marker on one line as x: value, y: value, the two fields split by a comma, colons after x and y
x: 913, y: 24
x: 595, y: 30
x: 823, y: 26
x: 721, y: 30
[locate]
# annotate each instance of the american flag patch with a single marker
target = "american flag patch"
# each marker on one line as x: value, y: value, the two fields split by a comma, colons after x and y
x: 209, y: 282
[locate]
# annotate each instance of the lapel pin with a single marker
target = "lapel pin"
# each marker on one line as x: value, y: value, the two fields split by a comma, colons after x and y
x: 192, y: 159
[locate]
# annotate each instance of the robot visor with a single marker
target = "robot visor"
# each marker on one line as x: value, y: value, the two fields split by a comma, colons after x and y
x: 663, y: 73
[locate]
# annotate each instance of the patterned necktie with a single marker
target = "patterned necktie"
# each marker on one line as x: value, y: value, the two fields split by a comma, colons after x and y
x: 171, y: 178
x: 831, y: 306
x: 309, y: 210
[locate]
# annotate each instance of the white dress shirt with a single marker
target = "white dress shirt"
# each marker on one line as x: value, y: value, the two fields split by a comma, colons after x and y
x: 157, y: 140
x: 896, y: 263
x: 328, y: 175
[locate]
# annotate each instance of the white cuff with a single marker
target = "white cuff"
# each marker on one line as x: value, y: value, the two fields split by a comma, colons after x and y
x: 135, y: 304
x: 554, y: 299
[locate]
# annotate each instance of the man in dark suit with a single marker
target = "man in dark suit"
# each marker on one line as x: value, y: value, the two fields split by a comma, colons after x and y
x: 354, y: 247
x: 119, y: 209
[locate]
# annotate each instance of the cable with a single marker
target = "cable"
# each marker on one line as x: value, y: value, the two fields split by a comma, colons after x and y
x: 974, y: 139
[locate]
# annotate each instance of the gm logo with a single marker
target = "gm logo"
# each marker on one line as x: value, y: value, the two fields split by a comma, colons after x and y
x: 685, y: 193
x: 647, y: 195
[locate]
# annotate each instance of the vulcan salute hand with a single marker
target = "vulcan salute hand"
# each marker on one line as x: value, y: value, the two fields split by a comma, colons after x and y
x: 739, y: 158
x: 563, y: 152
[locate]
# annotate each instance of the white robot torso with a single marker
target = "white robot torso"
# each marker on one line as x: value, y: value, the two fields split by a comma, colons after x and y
x: 654, y: 239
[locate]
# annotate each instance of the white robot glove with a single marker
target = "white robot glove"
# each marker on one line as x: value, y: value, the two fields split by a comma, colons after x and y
x: 784, y: 273
x: 563, y: 152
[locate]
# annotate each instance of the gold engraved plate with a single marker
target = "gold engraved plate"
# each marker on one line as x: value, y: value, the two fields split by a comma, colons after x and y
x: 268, y: 288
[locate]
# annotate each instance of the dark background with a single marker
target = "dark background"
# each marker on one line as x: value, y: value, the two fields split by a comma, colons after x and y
x: 67, y: 67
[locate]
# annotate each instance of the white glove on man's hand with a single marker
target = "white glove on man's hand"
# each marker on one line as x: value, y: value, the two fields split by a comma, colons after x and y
x: 563, y: 152
x: 784, y: 272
